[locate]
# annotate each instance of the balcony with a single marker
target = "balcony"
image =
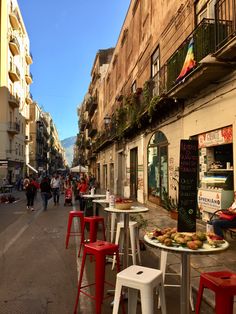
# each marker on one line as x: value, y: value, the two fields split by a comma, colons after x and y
x: 14, y: 101
x: 82, y: 124
x: 91, y: 106
x: 29, y: 78
x: 13, y: 128
x: 14, y: 73
x: 29, y: 58
x: 207, y: 69
x: 14, y: 20
x: 29, y: 99
x: 14, y: 46
x: 225, y: 11
x: 92, y: 131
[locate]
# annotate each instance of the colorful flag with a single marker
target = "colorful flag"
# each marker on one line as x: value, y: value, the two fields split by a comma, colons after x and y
x: 189, y: 62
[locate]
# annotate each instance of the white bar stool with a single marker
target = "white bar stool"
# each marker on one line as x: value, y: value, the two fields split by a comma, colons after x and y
x: 134, y: 240
x: 163, y: 262
x: 143, y: 279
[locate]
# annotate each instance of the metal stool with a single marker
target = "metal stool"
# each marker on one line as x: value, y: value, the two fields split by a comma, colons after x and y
x: 93, y: 222
x: 139, y: 278
x: 73, y: 214
x: 134, y: 240
x: 223, y: 283
x: 98, y: 249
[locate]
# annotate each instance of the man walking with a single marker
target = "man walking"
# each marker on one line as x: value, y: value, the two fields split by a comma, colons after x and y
x: 55, y: 185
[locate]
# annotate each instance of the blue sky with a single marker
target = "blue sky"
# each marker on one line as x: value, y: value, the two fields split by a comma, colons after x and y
x: 64, y: 39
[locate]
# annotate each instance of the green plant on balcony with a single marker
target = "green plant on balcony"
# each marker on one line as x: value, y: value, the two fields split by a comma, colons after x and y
x: 121, y: 118
x: 131, y: 102
x: 147, y: 92
x: 152, y: 106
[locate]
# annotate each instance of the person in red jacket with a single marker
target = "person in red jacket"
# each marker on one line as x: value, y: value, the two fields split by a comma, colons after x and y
x: 82, y: 188
x: 30, y: 194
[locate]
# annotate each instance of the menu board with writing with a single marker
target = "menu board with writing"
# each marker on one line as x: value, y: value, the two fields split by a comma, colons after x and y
x: 188, y: 171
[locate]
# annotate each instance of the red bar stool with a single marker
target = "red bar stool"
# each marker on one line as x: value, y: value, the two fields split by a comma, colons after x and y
x: 74, y: 214
x: 223, y: 283
x: 93, y: 222
x: 99, y: 249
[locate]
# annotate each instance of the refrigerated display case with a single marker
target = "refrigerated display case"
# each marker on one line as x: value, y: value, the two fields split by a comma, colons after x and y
x: 215, y: 191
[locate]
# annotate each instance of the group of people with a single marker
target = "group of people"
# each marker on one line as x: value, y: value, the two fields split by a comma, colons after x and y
x: 47, y: 186
x: 52, y: 187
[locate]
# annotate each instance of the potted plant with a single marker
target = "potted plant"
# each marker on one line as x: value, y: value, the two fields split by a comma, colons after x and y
x: 171, y: 204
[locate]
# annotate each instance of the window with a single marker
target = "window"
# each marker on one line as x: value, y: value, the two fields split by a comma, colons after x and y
x: 155, y: 71
x: 205, y: 9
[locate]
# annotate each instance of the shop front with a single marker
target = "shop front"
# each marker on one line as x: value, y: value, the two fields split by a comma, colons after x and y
x: 216, y: 175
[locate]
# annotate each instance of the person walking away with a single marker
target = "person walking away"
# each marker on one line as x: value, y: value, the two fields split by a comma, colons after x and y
x: 55, y: 185
x: 30, y: 194
x: 45, y: 188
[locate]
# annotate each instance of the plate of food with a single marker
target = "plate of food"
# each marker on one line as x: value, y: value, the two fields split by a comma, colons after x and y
x: 123, y: 203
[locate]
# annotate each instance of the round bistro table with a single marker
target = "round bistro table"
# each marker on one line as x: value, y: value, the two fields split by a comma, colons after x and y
x: 185, y: 260
x: 93, y: 196
x: 126, y: 212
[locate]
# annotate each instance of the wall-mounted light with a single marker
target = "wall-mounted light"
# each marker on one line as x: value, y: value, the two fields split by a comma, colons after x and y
x: 107, y: 120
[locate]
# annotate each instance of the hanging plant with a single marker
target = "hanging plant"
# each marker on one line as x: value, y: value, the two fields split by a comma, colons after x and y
x: 152, y: 106
x: 147, y: 92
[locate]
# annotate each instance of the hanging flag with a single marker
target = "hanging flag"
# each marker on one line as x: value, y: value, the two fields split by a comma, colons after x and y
x: 189, y: 62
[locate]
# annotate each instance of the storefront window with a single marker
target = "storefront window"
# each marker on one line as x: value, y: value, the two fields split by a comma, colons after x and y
x: 157, y: 167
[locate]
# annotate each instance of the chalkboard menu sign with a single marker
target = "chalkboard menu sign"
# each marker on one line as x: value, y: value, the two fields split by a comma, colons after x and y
x: 188, y: 171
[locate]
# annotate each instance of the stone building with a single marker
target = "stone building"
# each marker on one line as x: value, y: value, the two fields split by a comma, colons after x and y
x: 15, y: 97
x: 171, y: 78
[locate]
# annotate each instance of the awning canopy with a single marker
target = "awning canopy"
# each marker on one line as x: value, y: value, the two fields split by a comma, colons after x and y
x: 79, y: 168
x: 32, y: 168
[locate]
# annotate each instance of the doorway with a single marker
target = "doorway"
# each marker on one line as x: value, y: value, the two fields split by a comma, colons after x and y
x: 133, y: 173
x: 120, y: 174
x: 157, y: 167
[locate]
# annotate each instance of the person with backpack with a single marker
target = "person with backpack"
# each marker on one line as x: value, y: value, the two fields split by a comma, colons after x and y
x: 30, y: 194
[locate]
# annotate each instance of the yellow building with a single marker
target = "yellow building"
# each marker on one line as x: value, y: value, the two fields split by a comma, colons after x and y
x: 15, y: 97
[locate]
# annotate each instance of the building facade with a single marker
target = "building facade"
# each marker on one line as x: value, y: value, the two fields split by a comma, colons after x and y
x: 15, y: 80
x: 171, y: 78
x: 25, y: 130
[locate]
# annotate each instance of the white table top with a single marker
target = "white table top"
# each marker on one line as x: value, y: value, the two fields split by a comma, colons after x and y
x: 206, y: 248
x: 93, y: 196
x: 102, y: 201
x: 132, y: 210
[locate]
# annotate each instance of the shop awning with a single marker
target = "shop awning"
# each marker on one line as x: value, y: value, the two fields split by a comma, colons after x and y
x: 32, y: 168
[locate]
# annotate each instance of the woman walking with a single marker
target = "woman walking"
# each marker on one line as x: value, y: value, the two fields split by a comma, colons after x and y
x: 30, y: 194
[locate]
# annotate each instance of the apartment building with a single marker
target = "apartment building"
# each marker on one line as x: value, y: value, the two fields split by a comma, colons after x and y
x: 46, y: 153
x: 15, y: 97
x: 171, y: 77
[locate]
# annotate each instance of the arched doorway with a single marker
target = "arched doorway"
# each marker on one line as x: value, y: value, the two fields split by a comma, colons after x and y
x: 157, y: 157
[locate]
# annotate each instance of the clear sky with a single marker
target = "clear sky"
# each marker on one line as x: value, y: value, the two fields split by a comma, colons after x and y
x: 64, y: 39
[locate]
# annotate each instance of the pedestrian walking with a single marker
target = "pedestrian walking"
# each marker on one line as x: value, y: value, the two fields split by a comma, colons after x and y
x: 82, y: 188
x: 55, y: 185
x: 30, y: 194
x: 46, y: 194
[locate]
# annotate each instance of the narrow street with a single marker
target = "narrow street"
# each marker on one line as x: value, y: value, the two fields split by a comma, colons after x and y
x: 38, y: 275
